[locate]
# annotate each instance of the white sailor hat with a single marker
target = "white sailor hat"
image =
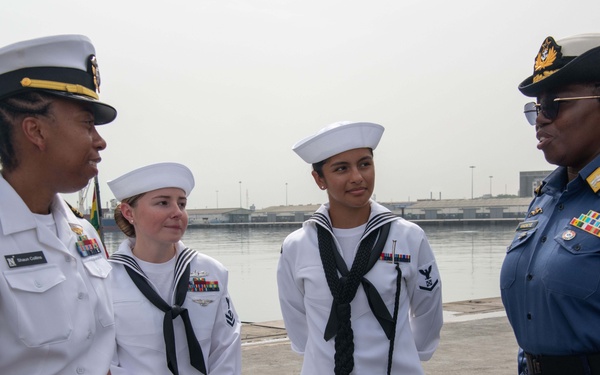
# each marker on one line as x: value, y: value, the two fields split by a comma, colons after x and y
x: 152, y: 177
x: 63, y: 65
x: 336, y: 138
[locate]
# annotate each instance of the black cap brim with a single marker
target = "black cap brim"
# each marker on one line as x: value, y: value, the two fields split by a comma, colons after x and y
x: 103, y: 113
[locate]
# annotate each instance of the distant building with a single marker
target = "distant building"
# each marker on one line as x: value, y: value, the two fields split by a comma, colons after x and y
x: 218, y: 215
x: 529, y: 181
x: 285, y: 214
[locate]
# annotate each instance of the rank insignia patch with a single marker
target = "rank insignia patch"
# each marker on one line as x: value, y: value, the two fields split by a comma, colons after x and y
x: 594, y: 180
x: 431, y: 280
x: 229, y: 316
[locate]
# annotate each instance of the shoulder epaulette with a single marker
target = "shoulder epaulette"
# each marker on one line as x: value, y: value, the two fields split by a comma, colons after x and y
x: 75, y: 211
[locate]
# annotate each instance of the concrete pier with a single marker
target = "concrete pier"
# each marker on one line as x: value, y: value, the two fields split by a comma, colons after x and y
x: 476, y: 339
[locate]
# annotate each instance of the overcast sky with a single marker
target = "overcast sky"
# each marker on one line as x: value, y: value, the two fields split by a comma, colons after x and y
x: 227, y: 87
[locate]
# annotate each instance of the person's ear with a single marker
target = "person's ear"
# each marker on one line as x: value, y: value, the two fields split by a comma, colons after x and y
x: 127, y: 211
x: 320, y: 181
x: 34, y: 131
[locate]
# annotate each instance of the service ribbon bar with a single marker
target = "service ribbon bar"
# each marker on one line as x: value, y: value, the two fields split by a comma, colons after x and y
x: 199, y: 284
x: 398, y: 258
x: 589, y: 222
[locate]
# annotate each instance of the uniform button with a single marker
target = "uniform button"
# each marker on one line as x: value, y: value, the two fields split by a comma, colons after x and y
x: 67, y: 258
x: 561, y: 207
x: 80, y: 370
x: 529, y: 277
x: 89, y: 336
x: 81, y: 295
x: 577, y: 247
x: 37, y: 284
x: 528, y: 316
x: 543, y: 239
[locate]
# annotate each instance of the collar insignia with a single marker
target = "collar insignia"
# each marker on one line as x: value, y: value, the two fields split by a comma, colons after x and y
x: 536, y: 211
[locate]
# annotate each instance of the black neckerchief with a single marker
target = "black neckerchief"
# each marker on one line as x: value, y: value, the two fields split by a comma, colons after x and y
x: 344, y: 289
x: 171, y: 312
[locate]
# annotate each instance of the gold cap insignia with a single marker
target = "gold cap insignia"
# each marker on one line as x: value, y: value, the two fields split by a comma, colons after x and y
x: 94, y: 71
x: 545, y: 60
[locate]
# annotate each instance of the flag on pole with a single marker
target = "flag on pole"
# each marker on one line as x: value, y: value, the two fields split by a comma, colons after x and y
x: 94, y: 216
x: 96, y: 213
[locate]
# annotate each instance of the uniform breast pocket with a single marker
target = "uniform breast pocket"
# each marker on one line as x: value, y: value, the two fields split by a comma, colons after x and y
x: 513, y: 255
x: 203, y: 308
x: 572, y: 268
x: 316, y: 290
x: 40, y: 306
x: 99, y: 268
x: 139, y: 323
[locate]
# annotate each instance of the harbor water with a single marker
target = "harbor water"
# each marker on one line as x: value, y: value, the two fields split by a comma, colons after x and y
x: 469, y: 259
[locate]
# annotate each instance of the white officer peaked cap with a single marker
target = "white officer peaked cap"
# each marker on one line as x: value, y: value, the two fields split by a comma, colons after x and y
x: 61, y: 65
x: 152, y: 177
x: 336, y: 138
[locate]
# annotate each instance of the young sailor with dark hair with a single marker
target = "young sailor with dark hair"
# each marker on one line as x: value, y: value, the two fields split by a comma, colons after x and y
x: 359, y: 288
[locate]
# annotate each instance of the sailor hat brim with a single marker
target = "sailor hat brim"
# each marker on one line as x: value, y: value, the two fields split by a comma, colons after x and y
x: 337, y: 138
x: 152, y: 177
x: 61, y: 65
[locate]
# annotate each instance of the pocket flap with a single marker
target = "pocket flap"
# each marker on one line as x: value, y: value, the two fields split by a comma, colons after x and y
x: 36, y: 279
x: 98, y: 266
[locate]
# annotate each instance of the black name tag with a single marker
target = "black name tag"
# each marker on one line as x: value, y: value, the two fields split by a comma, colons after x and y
x: 527, y: 225
x: 25, y: 259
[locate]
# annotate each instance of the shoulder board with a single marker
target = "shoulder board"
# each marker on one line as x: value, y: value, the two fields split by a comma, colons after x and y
x: 75, y: 211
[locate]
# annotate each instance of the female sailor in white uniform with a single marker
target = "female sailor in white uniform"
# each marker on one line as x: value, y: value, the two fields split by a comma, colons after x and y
x: 173, y: 312
x: 359, y: 288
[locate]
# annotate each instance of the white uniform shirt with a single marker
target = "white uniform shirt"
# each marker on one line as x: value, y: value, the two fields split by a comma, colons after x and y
x: 306, y: 301
x: 56, y: 312
x: 139, y: 324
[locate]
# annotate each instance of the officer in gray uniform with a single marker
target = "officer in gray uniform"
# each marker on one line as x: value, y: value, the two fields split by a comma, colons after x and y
x: 56, y: 312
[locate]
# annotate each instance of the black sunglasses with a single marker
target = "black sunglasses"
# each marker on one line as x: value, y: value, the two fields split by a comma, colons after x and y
x: 548, y: 107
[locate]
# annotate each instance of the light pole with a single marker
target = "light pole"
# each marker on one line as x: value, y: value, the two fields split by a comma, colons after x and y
x: 286, y: 200
x: 491, y: 185
x: 217, y: 199
x: 472, y: 168
x: 240, y: 194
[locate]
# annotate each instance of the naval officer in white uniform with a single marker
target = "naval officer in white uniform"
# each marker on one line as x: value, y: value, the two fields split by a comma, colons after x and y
x: 56, y: 312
